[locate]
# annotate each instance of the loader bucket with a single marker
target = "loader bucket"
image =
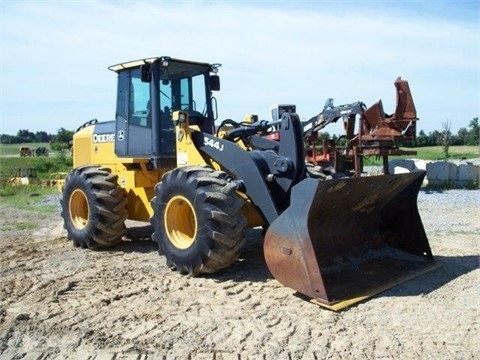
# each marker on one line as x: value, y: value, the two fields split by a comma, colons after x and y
x: 342, y: 241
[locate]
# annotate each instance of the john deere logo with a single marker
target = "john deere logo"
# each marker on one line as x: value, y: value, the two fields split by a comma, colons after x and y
x: 120, y: 135
x: 103, y: 138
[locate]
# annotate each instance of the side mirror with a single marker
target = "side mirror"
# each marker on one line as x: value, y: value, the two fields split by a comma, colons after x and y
x: 146, y: 74
x: 214, y: 82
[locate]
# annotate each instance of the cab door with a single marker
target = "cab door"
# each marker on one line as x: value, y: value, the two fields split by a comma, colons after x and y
x: 133, y: 115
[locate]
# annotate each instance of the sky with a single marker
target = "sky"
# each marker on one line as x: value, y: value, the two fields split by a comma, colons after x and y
x: 54, y: 56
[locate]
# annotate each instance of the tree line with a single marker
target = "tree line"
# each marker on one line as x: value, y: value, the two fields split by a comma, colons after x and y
x: 58, y: 141
x: 464, y: 136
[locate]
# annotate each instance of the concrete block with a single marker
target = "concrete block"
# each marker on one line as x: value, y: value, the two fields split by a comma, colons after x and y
x: 421, y: 164
x: 467, y: 174
x: 400, y: 170
x: 441, y: 172
x: 403, y: 163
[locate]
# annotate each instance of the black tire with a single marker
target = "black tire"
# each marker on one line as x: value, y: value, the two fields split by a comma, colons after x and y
x: 198, y: 221
x: 93, y: 207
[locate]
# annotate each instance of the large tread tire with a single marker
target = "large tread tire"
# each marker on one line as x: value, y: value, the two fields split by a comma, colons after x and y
x: 93, y: 207
x: 205, y: 230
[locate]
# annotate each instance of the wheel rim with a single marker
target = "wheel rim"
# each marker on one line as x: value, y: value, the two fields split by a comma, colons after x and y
x: 78, y: 207
x: 180, y: 222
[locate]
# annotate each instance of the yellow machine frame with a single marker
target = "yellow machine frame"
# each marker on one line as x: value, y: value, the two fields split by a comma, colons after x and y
x: 133, y: 175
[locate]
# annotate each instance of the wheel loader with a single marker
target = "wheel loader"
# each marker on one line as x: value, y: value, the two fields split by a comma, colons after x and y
x: 201, y: 184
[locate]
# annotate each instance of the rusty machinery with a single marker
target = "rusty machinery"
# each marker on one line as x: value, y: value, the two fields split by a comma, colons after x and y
x: 378, y: 133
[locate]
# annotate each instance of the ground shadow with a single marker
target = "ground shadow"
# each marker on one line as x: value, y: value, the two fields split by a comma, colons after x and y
x: 251, y: 266
x: 137, y: 239
x: 431, y: 190
x: 254, y: 269
x: 451, y: 267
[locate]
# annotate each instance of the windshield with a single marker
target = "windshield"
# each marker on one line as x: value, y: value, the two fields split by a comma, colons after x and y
x: 187, y: 94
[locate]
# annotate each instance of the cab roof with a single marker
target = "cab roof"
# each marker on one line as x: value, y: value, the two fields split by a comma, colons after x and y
x: 135, y: 63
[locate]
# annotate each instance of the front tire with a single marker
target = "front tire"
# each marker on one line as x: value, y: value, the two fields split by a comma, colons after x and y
x: 93, y: 207
x: 198, y: 221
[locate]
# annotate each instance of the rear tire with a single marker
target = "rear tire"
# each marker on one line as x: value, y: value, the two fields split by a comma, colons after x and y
x: 198, y: 221
x: 93, y: 207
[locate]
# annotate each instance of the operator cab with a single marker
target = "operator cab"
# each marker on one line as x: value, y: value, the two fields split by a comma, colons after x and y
x: 148, y: 92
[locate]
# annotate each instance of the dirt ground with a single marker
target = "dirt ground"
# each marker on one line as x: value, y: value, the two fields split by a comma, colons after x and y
x: 62, y: 302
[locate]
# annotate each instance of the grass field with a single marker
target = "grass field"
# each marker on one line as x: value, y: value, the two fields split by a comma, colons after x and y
x: 30, y: 197
x: 431, y: 153
x: 455, y: 152
x: 13, y: 149
x: 10, y: 160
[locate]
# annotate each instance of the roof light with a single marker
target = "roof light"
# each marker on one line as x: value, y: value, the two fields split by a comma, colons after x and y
x: 214, y: 68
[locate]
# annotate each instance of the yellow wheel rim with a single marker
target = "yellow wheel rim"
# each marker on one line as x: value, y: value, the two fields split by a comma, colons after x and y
x: 180, y: 222
x: 78, y: 208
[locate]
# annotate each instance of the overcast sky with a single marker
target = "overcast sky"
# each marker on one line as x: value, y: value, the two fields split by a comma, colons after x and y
x: 55, y: 54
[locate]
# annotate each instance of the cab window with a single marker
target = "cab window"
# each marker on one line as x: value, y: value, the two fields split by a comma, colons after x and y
x: 139, y: 106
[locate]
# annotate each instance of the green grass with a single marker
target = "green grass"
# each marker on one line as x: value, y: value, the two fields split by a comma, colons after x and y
x: 430, y: 153
x: 13, y: 149
x: 44, y: 165
x: 25, y: 225
x: 436, y: 152
x: 31, y: 197
x: 22, y: 225
x: 10, y: 161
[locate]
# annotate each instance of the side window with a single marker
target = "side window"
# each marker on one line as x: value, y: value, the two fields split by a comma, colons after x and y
x: 122, y: 94
x: 185, y: 103
x: 166, y: 96
x: 192, y: 94
x: 199, y: 100
x: 139, y: 110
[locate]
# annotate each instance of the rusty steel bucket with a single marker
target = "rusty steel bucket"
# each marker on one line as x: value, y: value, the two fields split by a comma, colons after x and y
x: 342, y: 241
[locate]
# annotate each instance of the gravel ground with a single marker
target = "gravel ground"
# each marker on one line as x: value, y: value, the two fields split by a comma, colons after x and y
x: 464, y: 204
x: 62, y: 302
x: 434, y: 198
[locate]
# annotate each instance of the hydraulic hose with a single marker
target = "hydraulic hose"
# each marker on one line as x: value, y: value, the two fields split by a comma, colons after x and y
x: 250, y: 129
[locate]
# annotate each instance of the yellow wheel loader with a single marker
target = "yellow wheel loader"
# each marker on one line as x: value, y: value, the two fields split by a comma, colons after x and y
x: 163, y: 160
